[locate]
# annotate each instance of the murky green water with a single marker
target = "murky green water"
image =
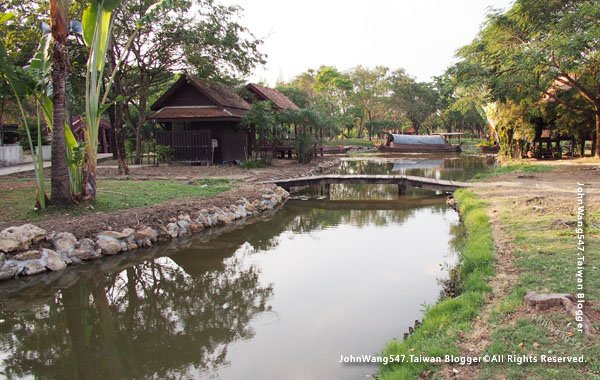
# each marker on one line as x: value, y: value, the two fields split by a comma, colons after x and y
x: 280, y: 298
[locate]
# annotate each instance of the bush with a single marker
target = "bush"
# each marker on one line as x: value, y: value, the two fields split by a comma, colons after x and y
x: 164, y: 154
x: 254, y: 163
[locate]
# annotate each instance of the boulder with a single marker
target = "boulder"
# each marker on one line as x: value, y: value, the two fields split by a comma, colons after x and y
x: 128, y: 232
x: 145, y: 243
x: 195, y: 227
x: 9, y: 269
x: 147, y: 232
x: 108, y: 235
x: 32, y: 267
x: 63, y: 242
x: 86, y: 250
x: 20, y: 238
x: 225, y: 218
x: 108, y: 247
x: 53, y: 260
x: 131, y: 246
x: 29, y: 255
x: 173, y: 230
x: 2, y: 260
x: 185, y: 217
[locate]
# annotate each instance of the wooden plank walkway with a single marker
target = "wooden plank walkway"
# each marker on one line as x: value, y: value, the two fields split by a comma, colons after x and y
x: 401, y: 180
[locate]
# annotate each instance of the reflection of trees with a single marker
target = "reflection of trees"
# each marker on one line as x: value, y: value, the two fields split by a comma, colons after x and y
x: 150, y: 320
x: 166, y: 317
x: 457, y: 168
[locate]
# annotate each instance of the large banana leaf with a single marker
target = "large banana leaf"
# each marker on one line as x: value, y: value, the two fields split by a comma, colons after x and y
x: 96, y: 29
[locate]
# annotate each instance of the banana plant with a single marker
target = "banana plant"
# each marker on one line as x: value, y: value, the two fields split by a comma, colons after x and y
x: 22, y: 85
x: 97, y: 25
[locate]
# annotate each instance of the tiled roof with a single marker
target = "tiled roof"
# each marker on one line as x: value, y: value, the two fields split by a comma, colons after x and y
x: 197, y: 112
x: 264, y: 93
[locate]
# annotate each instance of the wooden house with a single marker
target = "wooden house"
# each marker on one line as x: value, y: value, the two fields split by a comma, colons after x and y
x: 201, y: 122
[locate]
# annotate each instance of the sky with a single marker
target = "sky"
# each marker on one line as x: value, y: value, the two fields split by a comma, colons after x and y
x: 420, y: 36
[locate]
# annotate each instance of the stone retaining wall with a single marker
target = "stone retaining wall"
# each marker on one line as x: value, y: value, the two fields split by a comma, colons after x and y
x: 27, y: 250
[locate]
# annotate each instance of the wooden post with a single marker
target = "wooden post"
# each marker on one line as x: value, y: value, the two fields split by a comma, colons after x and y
x: 402, y: 188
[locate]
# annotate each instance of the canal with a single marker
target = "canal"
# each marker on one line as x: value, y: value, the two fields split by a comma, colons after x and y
x: 282, y: 297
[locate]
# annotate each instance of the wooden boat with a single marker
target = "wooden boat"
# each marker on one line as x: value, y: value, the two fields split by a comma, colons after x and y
x: 418, y: 144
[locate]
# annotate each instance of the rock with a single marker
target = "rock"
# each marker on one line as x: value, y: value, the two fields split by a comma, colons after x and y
x: 53, y: 260
x: 267, y: 196
x: 195, y: 227
x: 29, y: 255
x: 173, y: 230
x: 132, y: 246
x: 20, y: 238
x: 86, y: 250
x: 124, y: 245
x: 250, y: 207
x: 183, y: 225
x: 108, y: 235
x: 185, y: 217
x: 202, y: 219
x: 163, y: 233
x: 224, y: 219
x: 145, y: 243
x: 2, y: 260
x: 146, y: 233
x: 33, y: 267
x: 63, y: 242
x: 109, y: 247
x: 128, y: 232
x: 9, y: 269
x: 546, y: 301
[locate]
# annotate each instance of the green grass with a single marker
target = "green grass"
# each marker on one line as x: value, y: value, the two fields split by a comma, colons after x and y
x: 544, y: 253
x: 112, y: 195
x: 514, y: 168
x: 444, y: 321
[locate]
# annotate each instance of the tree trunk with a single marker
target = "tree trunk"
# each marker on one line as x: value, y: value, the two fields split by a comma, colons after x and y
x: 61, y: 192
x: 597, y: 145
x: 138, y: 129
x: 116, y: 122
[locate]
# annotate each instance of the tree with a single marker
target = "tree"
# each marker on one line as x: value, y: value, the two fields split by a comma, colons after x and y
x: 61, y: 191
x: 413, y: 100
x: 370, y: 91
x: 541, y: 51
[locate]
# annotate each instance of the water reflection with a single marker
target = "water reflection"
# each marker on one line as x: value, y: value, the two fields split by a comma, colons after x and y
x: 278, y: 298
x: 154, y: 319
x: 451, y: 167
x: 217, y: 306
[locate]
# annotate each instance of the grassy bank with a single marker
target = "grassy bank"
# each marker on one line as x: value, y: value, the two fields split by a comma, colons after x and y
x: 544, y: 246
x: 113, y: 195
x: 444, y: 321
x: 520, y: 168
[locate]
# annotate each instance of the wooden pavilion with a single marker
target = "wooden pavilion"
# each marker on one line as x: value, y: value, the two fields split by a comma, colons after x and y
x: 201, y: 122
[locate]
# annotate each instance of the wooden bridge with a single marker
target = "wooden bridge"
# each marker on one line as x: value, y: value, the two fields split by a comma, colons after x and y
x: 401, y: 180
